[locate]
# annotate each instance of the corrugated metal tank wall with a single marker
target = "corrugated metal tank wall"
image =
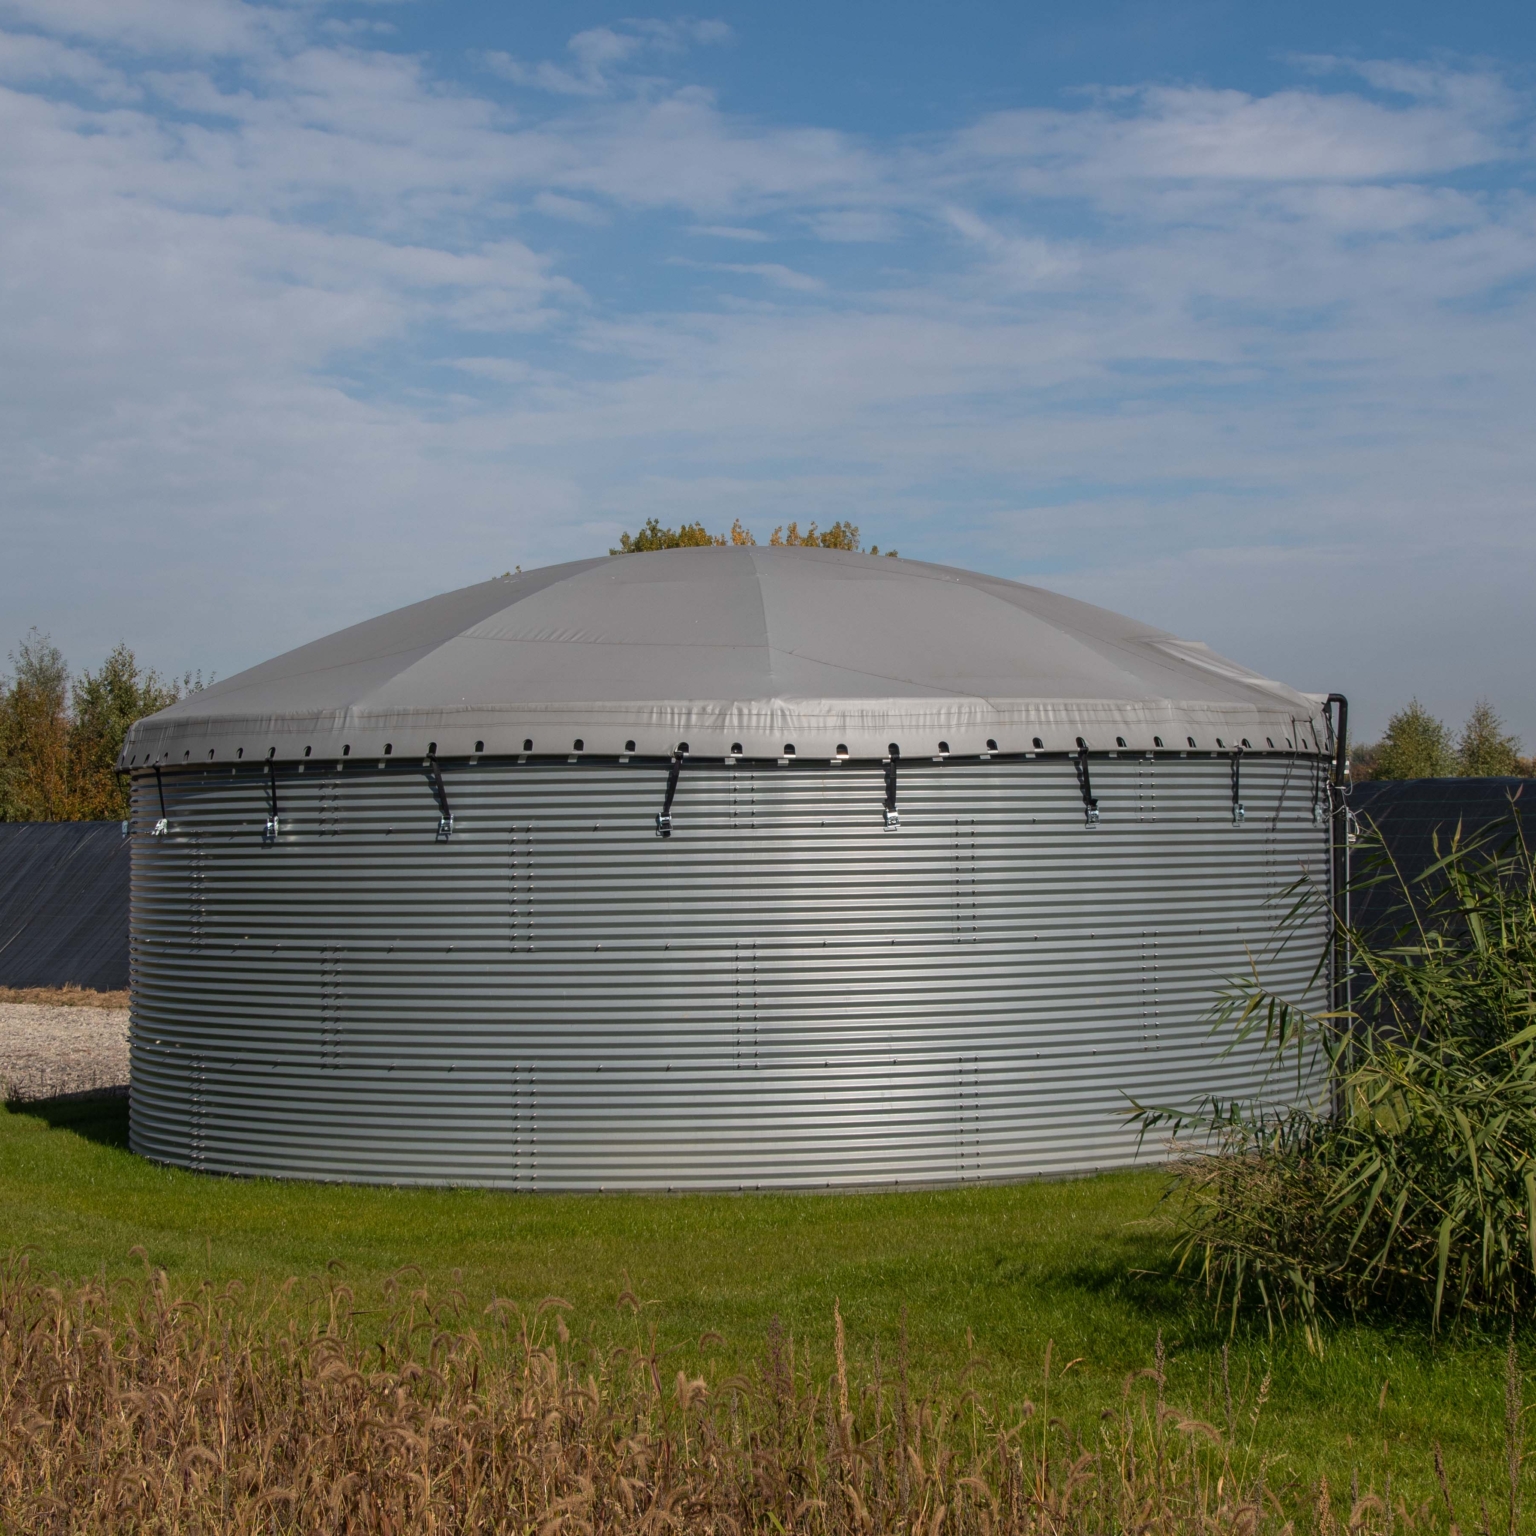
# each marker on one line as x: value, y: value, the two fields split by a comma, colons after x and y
x: 780, y: 994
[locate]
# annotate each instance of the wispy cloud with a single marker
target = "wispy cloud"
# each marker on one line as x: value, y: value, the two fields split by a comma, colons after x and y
x: 284, y: 301
x: 729, y: 232
x: 179, y: 28
x: 854, y: 225
x: 597, y: 56
x: 774, y: 272
x: 573, y: 209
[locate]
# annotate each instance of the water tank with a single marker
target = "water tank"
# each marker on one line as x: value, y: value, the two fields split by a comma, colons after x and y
x: 711, y: 868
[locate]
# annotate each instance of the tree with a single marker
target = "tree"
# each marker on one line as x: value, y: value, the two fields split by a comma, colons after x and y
x: 59, y: 743
x: 838, y: 536
x: 1485, y: 750
x: 1416, y: 746
x: 34, y: 734
x: 105, y: 705
x: 841, y: 535
x: 653, y: 536
x: 1363, y: 758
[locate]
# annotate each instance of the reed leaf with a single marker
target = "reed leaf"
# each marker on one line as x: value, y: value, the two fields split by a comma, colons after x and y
x: 1412, y: 1185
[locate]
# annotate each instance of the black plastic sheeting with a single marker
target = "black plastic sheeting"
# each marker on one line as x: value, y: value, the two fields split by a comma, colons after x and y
x: 1409, y: 814
x: 63, y: 904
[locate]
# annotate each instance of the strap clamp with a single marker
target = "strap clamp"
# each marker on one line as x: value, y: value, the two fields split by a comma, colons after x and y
x: 440, y: 793
x: 1085, y: 784
x: 1239, y: 810
x: 664, y: 821
x: 892, y: 815
x: 273, y: 827
x: 163, y: 825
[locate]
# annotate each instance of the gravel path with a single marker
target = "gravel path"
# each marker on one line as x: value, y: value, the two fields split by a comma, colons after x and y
x: 46, y: 1051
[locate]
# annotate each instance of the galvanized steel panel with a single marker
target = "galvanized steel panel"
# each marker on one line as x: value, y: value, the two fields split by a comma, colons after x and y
x: 781, y: 994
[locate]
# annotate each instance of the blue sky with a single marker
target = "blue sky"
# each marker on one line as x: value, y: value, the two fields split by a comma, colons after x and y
x: 1217, y: 314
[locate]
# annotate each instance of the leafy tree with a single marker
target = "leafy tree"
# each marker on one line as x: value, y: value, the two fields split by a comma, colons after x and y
x: 841, y: 535
x: 1363, y: 760
x: 105, y: 705
x: 59, y: 742
x: 1485, y: 750
x: 838, y: 536
x: 653, y: 536
x: 1416, y: 746
x: 34, y: 734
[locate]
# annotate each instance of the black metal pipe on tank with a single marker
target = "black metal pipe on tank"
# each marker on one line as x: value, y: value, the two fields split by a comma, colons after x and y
x: 1339, y: 841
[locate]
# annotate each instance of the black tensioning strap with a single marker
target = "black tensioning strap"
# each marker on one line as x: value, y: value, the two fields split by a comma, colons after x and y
x: 664, y: 821
x: 440, y: 793
x: 892, y: 816
x: 1239, y: 811
x: 270, y: 835
x: 1085, y: 784
x: 164, y: 824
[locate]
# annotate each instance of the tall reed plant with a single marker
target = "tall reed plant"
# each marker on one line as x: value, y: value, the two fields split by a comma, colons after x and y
x: 1412, y: 1187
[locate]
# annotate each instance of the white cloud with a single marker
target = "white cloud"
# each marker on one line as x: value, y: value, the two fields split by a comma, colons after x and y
x: 177, y: 27
x: 729, y: 232
x: 855, y: 225
x: 573, y: 209
x: 505, y: 370
x: 1162, y: 133
x: 774, y: 272
x: 283, y: 345
x: 28, y: 59
x: 599, y: 54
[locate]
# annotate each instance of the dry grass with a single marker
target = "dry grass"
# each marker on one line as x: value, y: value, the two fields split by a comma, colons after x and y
x: 64, y: 997
x: 129, y: 1407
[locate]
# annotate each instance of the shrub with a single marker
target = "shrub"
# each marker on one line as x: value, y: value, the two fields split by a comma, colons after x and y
x: 1485, y: 749
x: 1414, y: 1186
x: 1416, y: 746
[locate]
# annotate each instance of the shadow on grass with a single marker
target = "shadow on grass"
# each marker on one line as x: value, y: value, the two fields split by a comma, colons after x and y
x: 1147, y: 1281
x: 1136, y: 1270
x: 98, y: 1117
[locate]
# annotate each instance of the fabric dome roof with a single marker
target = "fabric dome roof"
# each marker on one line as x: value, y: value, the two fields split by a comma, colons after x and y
x: 752, y: 649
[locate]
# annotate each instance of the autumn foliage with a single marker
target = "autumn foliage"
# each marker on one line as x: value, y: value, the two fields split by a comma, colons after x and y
x: 652, y: 535
x: 59, y: 737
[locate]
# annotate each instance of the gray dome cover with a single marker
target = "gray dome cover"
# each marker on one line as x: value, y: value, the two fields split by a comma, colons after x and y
x: 754, y: 649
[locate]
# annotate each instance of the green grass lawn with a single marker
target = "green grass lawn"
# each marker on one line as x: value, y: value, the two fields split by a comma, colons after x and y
x: 1082, y: 1265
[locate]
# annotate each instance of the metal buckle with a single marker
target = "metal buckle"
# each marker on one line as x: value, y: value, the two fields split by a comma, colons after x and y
x: 893, y: 821
x: 161, y: 828
x: 1085, y: 787
x: 1239, y: 814
x: 271, y: 831
x: 664, y: 824
x: 444, y: 828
